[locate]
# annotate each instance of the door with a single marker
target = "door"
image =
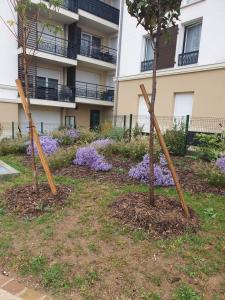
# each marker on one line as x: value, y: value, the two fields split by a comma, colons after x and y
x: 41, y: 88
x: 95, y: 119
x: 52, y: 89
x: 183, y: 104
x: 85, y: 44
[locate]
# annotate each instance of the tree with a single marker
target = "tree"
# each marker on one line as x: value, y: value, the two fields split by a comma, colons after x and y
x: 156, y: 16
x: 20, y: 26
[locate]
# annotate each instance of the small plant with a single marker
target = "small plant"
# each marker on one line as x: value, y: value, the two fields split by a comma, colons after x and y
x: 176, y: 140
x: 102, y: 143
x: 66, y: 136
x: 186, y: 292
x: 209, y: 212
x: 49, y: 145
x: 88, y: 156
x: 87, y: 136
x: 210, y: 146
x: 162, y: 175
x: 212, y: 174
x: 115, y: 133
x: 55, y: 276
x: 220, y: 163
x: 61, y: 158
x: 10, y: 146
x: 137, y: 131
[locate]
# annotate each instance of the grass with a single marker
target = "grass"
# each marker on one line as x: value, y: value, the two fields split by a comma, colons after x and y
x: 80, y: 252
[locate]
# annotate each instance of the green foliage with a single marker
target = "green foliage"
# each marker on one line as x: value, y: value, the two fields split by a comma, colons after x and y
x: 186, y: 292
x: 210, y: 146
x: 87, y: 136
x: 137, y: 131
x: 62, y: 158
x: 135, y: 150
x: 212, y: 175
x: 154, y: 14
x: 115, y: 133
x: 55, y: 276
x: 34, y: 266
x: 176, y: 140
x: 13, y: 146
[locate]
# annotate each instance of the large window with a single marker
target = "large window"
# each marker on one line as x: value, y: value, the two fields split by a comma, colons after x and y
x: 149, y: 55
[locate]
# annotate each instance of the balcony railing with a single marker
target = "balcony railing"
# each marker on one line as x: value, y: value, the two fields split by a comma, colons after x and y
x: 71, y: 5
x: 55, y: 45
x: 100, y: 9
x: 98, y: 52
x: 94, y: 91
x: 146, y: 65
x: 188, y: 58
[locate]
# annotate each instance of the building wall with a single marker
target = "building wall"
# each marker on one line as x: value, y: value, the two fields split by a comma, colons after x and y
x: 8, y: 112
x: 212, y: 45
x: 207, y: 86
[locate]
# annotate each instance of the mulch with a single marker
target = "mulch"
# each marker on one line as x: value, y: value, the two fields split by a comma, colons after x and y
x: 25, y: 202
x: 118, y: 174
x: 165, y: 219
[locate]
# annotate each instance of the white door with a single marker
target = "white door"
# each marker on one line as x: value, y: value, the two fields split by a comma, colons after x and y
x: 183, y: 104
x: 143, y: 115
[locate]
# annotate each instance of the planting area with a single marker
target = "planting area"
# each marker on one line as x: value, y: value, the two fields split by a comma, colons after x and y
x: 99, y: 239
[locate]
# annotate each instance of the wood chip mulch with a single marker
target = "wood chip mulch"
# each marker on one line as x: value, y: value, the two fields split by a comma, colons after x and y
x: 165, y: 219
x: 23, y: 201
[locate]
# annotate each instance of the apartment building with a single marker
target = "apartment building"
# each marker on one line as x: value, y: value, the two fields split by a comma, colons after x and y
x: 191, y: 67
x: 72, y: 70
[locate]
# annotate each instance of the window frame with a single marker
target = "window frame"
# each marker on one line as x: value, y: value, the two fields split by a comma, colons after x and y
x: 186, y: 27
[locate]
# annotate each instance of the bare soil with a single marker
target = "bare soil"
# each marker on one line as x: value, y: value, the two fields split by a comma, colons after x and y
x: 164, y: 219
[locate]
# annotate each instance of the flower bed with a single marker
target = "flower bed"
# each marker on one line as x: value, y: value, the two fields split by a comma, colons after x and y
x: 49, y: 145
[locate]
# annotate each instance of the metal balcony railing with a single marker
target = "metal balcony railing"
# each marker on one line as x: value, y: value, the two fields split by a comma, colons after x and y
x: 55, y: 45
x: 71, y: 5
x: 103, y: 53
x: 146, y: 65
x: 94, y: 91
x: 56, y: 92
x: 188, y: 58
x: 100, y: 9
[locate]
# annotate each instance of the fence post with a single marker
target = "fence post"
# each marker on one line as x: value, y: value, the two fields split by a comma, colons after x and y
x: 124, y: 122
x: 186, y: 132
x: 13, y: 130
x: 130, y: 126
x: 42, y: 127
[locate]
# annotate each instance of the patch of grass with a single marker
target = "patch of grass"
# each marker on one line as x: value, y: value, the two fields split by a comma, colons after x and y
x: 93, y: 247
x: 5, y: 245
x: 150, y: 296
x: 155, y: 279
x: 48, y: 233
x: 185, y: 292
x: 56, y: 276
x: 35, y: 266
x: 139, y: 235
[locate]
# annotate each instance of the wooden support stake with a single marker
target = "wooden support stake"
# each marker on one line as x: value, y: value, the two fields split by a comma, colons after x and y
x: 166, y: 153
x: 37, y: 140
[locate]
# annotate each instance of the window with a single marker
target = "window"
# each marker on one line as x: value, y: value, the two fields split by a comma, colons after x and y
x: 191, y: 45
x: 89, y: 44
x: 192, y: 38
x: 183, y: 104
x: 149, y: 55
x: 70, y: 122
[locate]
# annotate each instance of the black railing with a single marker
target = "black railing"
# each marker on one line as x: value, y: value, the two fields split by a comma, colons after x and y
x: 100, y: 9
x: 146, y: 65
x: 94, y: 91
x: 55, y: 45
x: 98, y: 52
x: 71, y: 5
x: 188, y: 58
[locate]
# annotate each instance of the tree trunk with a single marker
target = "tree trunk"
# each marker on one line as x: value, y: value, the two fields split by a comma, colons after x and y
x: 25, y: 69
x: 152, y: 111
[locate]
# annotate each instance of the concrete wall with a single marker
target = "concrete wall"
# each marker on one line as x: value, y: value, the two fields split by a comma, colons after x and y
x: 8, y: 112
x: 207, y: 86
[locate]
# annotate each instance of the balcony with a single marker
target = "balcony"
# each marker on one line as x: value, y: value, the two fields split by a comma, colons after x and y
x: 70, y: 5
x: 102, y: 53
x: 146, y: 65
x: 100, y: 9
x: 94, y: 91
x: 188, y: 58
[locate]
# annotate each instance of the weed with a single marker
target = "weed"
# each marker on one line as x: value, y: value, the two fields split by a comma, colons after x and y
x: 185, y: 292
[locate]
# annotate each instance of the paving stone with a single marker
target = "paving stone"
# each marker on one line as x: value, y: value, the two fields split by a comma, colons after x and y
x: 29, y: 294
x: 13, y: 287
x: 3, y: 279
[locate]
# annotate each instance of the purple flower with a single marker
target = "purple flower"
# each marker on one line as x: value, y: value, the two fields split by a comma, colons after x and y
x: 73, y: 133
x: 220, y: 163
x: 162, y: 174
x: 88, y: 156
x: 101, y: 144
x: 49, y: 146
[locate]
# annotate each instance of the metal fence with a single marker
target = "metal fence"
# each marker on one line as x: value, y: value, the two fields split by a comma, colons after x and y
x: 190, y: 125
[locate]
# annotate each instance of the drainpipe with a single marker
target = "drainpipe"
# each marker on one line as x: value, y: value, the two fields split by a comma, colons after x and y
x: 118, y: 62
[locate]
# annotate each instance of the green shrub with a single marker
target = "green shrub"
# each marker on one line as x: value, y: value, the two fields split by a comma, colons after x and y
x: 87, y: 136
x: 210, y: 146
x: 176, y: 140
x: 115, y: 133
x: 13, y: 146
x: 62, y: 158
x: 136, y: 149
x: 212, y: 175
x: 186, y: 292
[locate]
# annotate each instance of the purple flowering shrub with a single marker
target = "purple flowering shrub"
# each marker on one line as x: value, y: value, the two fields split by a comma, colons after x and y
x: 88, y: 156
x: 49, y: 145
x: 220, y: 164
x: 102, y: 143
x: 66, y: 136
x: 162, y: 174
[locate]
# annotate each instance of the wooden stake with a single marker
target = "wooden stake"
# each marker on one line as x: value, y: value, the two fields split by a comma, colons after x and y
x: 166, y: 153
x: 37, y: 140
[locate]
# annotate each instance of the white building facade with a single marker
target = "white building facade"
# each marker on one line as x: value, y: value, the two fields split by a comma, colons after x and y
x: 72, y: 70
x: 191, y: 68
